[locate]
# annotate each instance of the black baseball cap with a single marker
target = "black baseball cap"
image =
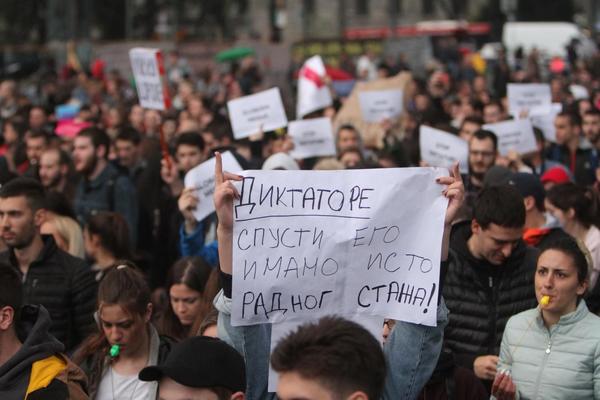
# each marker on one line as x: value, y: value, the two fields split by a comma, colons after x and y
x: 201, y: 362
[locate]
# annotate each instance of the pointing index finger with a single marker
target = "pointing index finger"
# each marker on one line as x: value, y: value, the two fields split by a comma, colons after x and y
x: 218, y: 168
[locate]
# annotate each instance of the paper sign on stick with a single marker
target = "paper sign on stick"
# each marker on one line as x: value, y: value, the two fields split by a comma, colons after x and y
x: 535, y: 98
x: 149, y: 75
x: 514, y: 135
x: 313, y: 243
x: 443, y: 149
x: 312, y: 138
x: 377, y: 105
x: 202, y: 178
x: 546, y: 122
x: 249, y: 113
x: 279, y: 331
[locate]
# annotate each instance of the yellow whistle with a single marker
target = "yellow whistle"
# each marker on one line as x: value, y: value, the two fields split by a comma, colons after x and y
x: 545, y: 300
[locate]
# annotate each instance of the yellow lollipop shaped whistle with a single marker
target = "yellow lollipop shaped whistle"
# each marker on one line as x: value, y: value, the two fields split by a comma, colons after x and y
x: 544, y: 301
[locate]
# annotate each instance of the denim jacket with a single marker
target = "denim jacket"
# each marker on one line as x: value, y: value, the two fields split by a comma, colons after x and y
x: 411, y: 353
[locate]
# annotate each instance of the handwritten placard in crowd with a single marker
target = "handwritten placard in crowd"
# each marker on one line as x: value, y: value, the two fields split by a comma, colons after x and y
x: 516, y: 135
x: 545, y: 122
x: 533, y: 98
x: 202, y: 178
x: 313, y: 243
x: 149, y: 73
x: 378, y: 105
x: 312, y: 138
x: 443, y: 149
x: 249, y: 113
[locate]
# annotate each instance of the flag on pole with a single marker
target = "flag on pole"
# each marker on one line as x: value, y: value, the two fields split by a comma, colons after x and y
x: 313, y: 93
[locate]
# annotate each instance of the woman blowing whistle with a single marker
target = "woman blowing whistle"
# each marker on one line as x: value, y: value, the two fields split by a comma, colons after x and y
x: 553, y: 351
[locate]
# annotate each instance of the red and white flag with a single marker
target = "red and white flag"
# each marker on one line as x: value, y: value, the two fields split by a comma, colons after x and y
x: 313, y: 93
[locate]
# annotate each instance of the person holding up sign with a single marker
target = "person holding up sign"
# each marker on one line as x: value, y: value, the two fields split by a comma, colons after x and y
x: 411, y: 349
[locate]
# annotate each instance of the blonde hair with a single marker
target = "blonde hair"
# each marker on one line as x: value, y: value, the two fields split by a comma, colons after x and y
x: 72, y: 234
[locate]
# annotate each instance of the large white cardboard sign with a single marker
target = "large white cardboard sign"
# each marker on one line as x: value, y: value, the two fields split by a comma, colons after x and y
x: 202, y: 178
x: 546, y: 122
x: 377, y: 105
x: 535, y: 98
x: 148, y: 73
x: 312, y: 138
x: 443, y: 149
x: 312, y: 243
x: 249, y: 114
x: 514, y: 135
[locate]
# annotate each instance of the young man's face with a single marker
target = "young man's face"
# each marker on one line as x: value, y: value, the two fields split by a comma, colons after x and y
x: 347, y: 138
x: 34, y: 148
x: 565, y: 132
x: 84, y: 155
x: 126, y: 153
x: 50, y: 171
x: 591, y: 127
x: 188, y: 157
x: 494, y: 243
x: 18, y: 223
x: 481, y: 156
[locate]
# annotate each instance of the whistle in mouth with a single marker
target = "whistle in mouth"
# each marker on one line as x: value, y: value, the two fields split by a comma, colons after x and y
x: 115, y: 349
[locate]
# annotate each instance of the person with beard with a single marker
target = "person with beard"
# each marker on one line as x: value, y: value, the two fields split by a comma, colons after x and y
x: 483, y: 149
x: 32, y: 365
x: 489, y: 279
x: 102, y: 187
x: 63, y: 284
x: 54, y: 172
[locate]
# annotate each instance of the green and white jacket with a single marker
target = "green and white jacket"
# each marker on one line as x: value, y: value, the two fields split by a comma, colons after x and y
x: 562, y: 362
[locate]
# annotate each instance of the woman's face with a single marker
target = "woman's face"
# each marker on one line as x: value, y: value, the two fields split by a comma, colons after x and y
x: 556, y: 277
x: 122, y: 328
x: 185, y: 303
x: 10, y: 134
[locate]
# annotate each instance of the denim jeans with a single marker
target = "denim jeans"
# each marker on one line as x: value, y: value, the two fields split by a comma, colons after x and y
x: 411, y: 352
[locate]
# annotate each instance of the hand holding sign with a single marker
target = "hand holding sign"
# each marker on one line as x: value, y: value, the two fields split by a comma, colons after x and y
x: 225, y: 192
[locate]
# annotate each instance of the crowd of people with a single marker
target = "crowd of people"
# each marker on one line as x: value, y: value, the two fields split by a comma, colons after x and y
x: 110, y: 288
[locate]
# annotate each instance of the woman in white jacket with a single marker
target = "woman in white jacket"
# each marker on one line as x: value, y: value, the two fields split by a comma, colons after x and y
x: 553, y: 351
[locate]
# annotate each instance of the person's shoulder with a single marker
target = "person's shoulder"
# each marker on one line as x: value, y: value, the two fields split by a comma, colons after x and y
x: 522, y: 321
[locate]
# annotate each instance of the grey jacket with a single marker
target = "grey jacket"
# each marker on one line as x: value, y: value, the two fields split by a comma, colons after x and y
x: 562, y: 362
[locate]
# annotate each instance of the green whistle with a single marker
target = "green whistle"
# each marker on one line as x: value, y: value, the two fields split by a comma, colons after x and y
x: 115, y: 349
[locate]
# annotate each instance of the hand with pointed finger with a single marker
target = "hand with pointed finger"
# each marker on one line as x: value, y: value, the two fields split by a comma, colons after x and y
x: 224, y: 194
x: 455, y: 192
x: 503, y: 387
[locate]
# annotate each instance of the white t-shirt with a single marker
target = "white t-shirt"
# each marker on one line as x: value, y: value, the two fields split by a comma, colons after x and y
x: 125, y: 387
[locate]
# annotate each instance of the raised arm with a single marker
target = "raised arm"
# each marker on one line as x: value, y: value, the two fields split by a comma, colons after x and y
x: 455, y: 192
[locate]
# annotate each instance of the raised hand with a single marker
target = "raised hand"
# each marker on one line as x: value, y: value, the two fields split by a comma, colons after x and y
x: 455, y: 192
x: 224, y: 194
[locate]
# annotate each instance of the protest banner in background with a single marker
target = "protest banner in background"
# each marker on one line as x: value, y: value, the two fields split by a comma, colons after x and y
x: 545, y: 122
x: 312, y: 243
x: 249, y: 113
x: 377, y: 105
x: 534, y: 98
x: 202, y: 178
x: 313, y: 92
x: 312, y: 138
x: 149, y: 74
x: 443, y: 149
x: 516, y: 135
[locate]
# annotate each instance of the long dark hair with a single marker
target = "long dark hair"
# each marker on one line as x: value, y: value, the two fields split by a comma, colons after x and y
x: 196, y: 274
x: 123, y: 285
x: 113, y: 232
x: 584, y: 201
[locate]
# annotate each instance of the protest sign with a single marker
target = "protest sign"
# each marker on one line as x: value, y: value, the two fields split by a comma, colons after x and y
x: 545, y: 122
x: 202, y: 178
x: 279, y: 331
x: 443, y: 149
x: 516, y: 135
x: 149, y: 72
x: 313, y: 93
x: 313, y: 243
x: 378, y: 105
x: 534, y: 98
x: 312, y: 138
x: 249, y: 113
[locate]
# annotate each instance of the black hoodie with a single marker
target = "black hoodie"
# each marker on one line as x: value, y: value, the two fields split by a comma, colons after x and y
x: 37, y: 345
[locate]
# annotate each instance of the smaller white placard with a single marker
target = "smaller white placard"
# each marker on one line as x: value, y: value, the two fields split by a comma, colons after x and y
x: 514, y: 135
x: 312, y: 138
x: 146, y: 71
x: 443, y: 149
x: 202, y: 178
x: 546, y: 122
x: 378, y: 105
x: 534, y: 98
x: 249, y: 114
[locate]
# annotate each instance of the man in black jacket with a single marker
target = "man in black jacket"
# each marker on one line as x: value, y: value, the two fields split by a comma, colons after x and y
x: 63, y: 284
x: 489, y: 279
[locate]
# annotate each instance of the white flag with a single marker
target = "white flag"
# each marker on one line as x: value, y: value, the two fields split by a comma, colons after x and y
x: 313, y: 93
